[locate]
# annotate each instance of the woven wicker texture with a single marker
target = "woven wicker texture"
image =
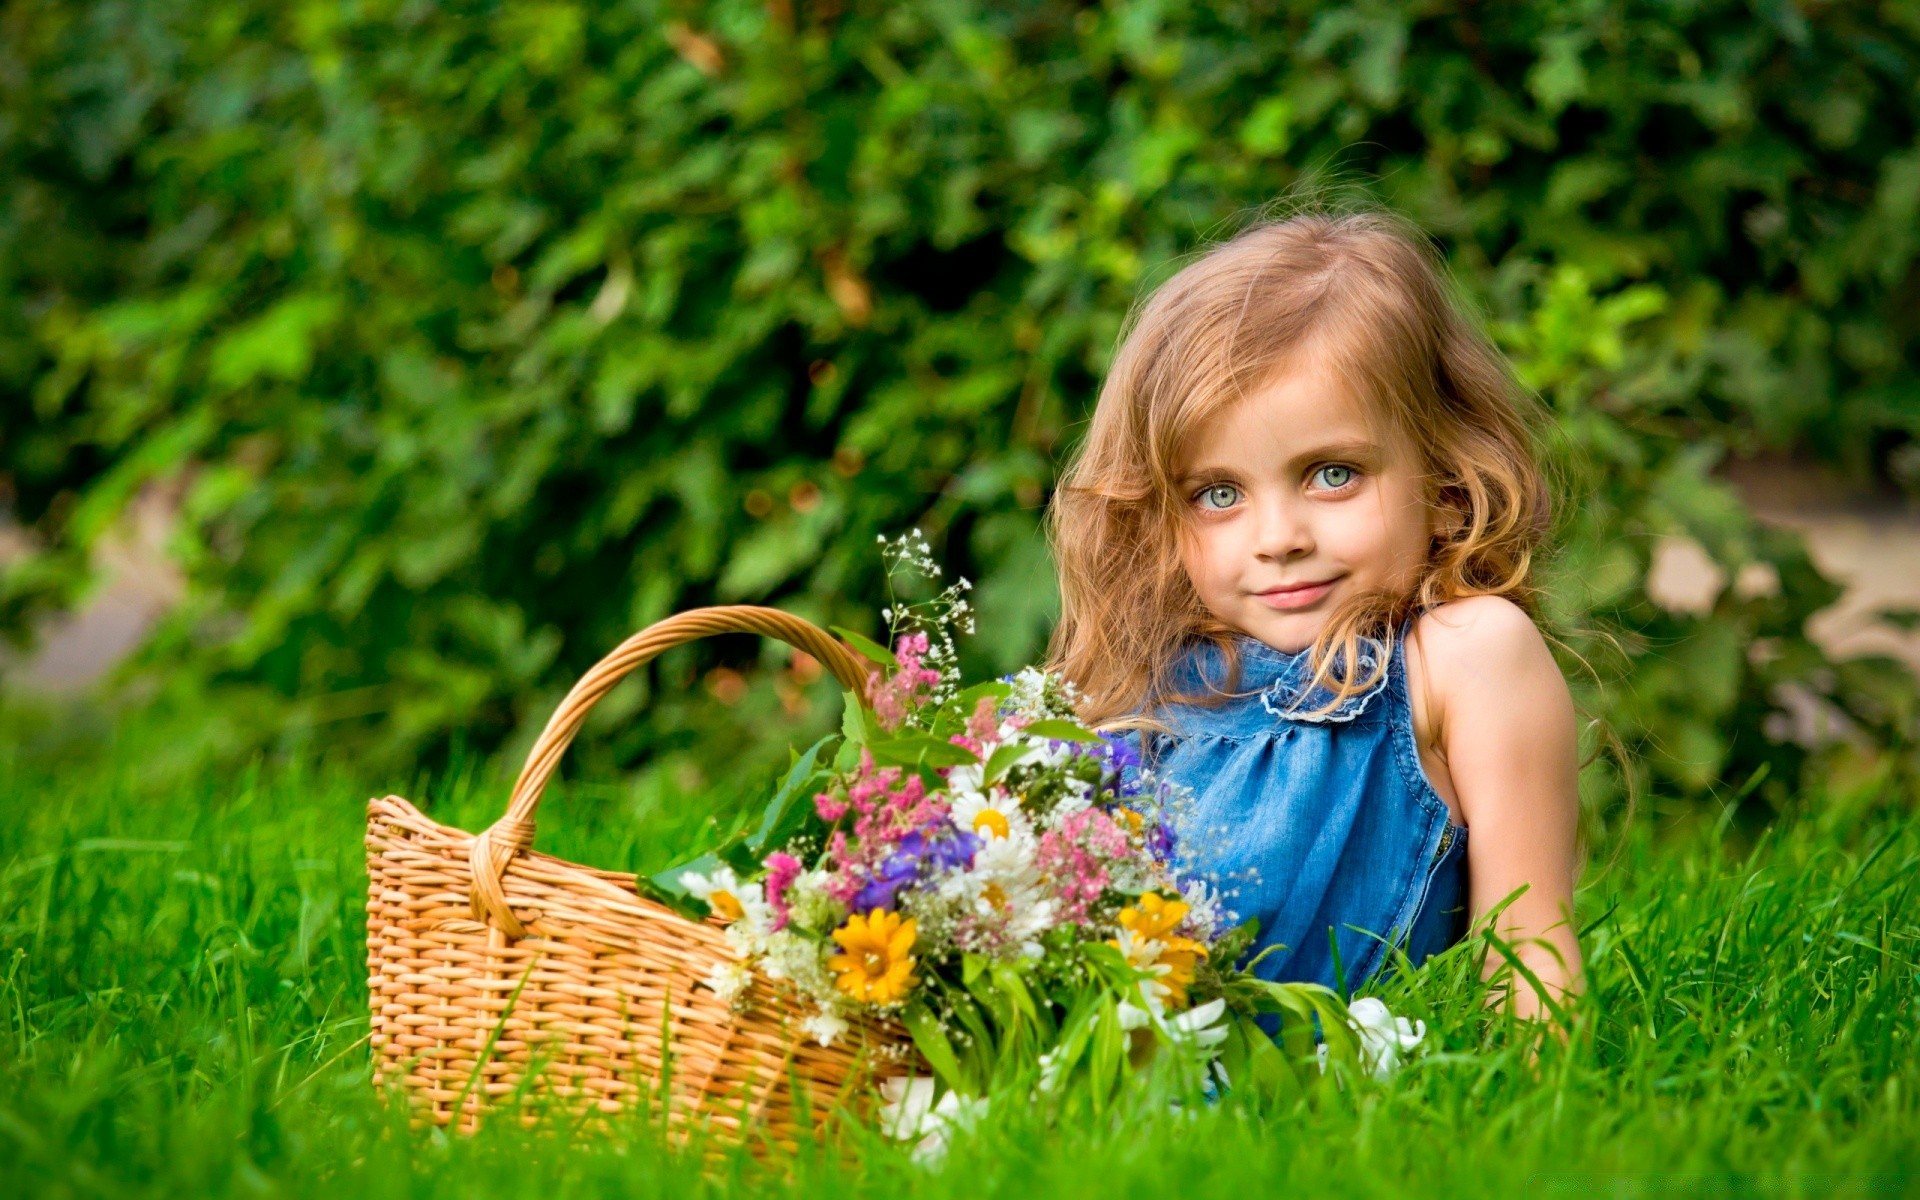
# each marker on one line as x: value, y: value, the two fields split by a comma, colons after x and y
x: 498, y: 974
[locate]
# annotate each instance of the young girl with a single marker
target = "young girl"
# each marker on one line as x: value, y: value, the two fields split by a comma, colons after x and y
x: 1295, y: 554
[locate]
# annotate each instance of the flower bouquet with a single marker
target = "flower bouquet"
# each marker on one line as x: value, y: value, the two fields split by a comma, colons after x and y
x: 1006, y: 884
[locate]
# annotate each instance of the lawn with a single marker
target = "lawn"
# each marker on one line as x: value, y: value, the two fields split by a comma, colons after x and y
x: 182, y: 1012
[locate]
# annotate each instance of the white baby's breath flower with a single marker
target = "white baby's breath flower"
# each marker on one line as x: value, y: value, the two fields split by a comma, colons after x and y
x: 824, y: 1026
x: 729, y: 981
x: 1028, y: 696
x: 798, y: 961
x: 810, y: 907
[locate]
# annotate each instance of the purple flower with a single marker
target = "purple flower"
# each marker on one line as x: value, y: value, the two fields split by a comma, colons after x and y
x: 1160, y: 841
x: 1120, y: 754
x: 895, y: 873
x: 944, y: 847
x: 937, y: 847
x: 1123, y: 760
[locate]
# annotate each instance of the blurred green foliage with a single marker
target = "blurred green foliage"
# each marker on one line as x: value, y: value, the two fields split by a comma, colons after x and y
x: 474, y: 336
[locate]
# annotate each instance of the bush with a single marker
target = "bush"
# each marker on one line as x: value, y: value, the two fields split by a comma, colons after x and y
x: 477, y: 335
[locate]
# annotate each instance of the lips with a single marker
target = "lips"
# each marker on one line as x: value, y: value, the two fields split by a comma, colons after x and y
x: 1295, y: 595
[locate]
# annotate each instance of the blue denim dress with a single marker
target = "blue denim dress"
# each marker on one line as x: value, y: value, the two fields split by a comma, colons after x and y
x: 1320, y: 824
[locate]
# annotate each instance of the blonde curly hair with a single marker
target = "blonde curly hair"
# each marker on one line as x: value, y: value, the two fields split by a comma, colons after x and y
x: 1367, y: 294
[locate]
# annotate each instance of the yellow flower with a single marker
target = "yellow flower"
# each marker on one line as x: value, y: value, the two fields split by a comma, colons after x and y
x: 1151, y: 943
x: 1179, y: 957
x: 1155, y: 918
x: 876, y: 968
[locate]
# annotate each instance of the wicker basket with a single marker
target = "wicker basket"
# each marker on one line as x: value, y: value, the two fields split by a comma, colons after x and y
x: 500, y: 975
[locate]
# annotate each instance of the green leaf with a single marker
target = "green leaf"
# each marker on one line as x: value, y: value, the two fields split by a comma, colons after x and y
x: 970, y: 699
x: 678, y: 901
x: 666, y: 884
x: 1268, y: 1073
x: 998, y: 1006
x: 971, y: 967
x: 981, y: 1055
x: 866, y: 647
x: 787, y: 810
x: 1061, y: 731
x: 1003, y: 759
x: 931, y: 1040
x: 1109, y: 1050
x: 917, y: 749
x: 856, y: 722
x: 1006, y: 978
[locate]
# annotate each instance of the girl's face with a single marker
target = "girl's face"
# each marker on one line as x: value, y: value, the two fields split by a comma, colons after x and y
x: 1295, y: 503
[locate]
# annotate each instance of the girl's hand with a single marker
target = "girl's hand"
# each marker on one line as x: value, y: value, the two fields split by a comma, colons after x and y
x: 1497, y: 735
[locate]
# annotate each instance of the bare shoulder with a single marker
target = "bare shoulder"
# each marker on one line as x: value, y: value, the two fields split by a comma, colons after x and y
x: 1480, y: 652
x: 1489, y: 634
x: 1493, y: 715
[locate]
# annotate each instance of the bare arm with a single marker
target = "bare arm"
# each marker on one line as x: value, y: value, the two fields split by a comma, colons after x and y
x: 1498, y: 723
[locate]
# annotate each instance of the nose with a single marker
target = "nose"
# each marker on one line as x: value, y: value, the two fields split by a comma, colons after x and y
x: 1283, y: 530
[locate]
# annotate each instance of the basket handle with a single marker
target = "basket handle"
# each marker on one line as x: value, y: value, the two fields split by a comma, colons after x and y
x: 495, y: 846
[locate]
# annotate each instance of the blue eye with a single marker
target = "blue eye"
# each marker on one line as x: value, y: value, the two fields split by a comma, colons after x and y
x: 1218, y: 496
x: 1333, y: 478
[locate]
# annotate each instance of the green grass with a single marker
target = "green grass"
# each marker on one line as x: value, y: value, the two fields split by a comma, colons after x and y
x: 182, y: 1007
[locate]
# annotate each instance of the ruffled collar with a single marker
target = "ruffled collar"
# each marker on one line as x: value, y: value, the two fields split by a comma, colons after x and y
x: 1281, y: 682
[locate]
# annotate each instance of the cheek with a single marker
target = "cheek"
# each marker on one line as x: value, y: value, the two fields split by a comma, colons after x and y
x: 1204, y: 556
x: 1388, y: 538
x: 1406, y: 531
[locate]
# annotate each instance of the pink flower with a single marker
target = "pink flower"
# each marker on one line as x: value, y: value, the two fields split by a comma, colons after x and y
x: 897, y: 811
x: 894, y: 697
x: 1074, y: 857
x: 888, y: 805
x: 830, y: 805
x: 1093, y: 828
x: 984, y: 724
x: 782, y: 870
x: 888, y: 706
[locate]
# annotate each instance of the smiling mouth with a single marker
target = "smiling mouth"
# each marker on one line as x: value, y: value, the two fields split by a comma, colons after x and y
x: 1297, y: 595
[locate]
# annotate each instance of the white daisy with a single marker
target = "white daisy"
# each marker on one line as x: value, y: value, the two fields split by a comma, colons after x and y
x: 1007, y: 893
x: 742, y: 905
x: 990, y: 816
x: 719, y: 891
x: 967, y: 777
